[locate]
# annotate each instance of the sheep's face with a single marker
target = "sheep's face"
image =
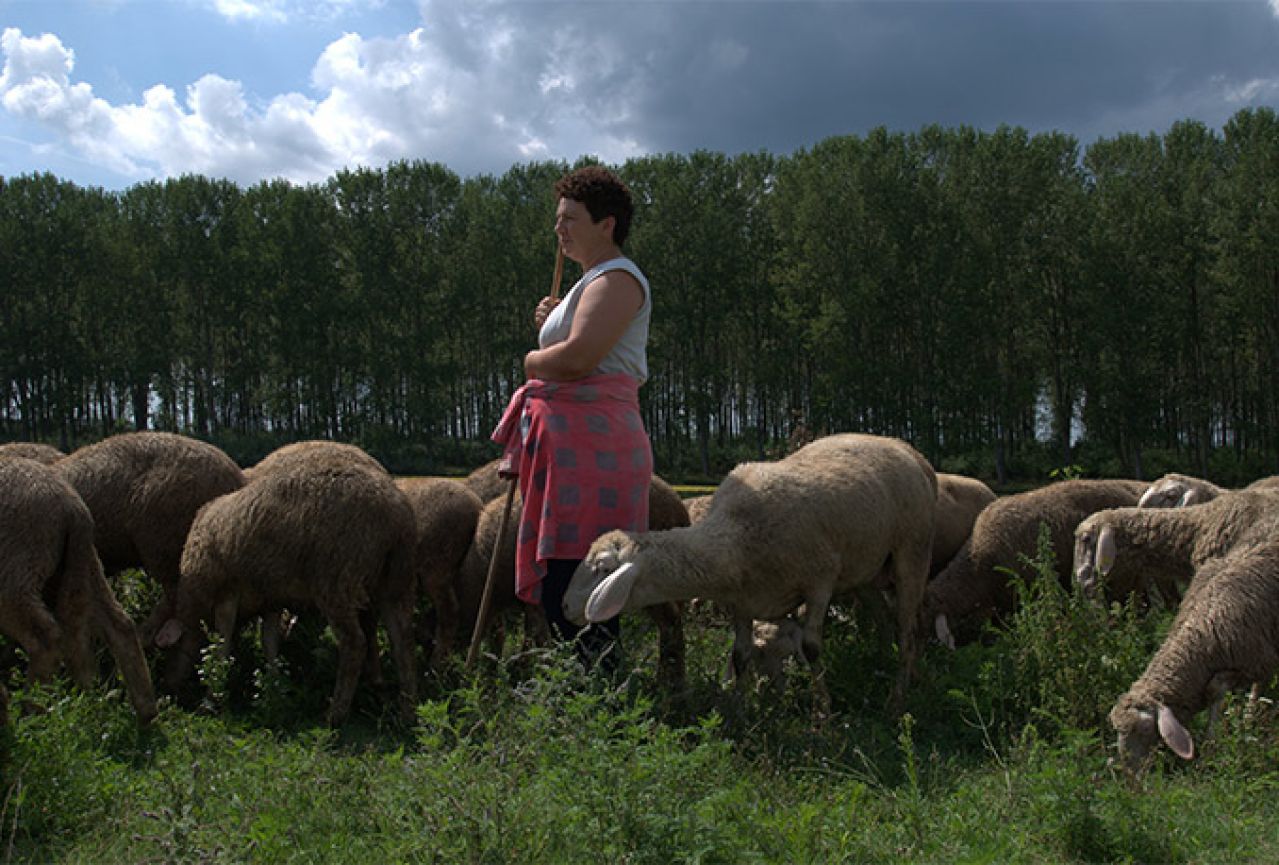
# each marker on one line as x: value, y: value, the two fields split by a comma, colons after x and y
x: 1141, y: 725
x: 609, y: 552
x: 1166, y: 493
x: 1094, y: 553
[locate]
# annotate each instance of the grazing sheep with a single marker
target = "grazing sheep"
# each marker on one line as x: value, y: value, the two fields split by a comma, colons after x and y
x: 1137, y: 549
x: 44, y: 454
x: 822, y: 522
x: 975, y: 585
x: 53, y: 594
x: 447, y: 513
x: 1225, y: 636
x: 666, y: 511
x: 322, y: 531
x: 144, y: 489
x: 1175, y: 490
x: 959, y: 500
x: 698, y: 507
x: 1267, y: 483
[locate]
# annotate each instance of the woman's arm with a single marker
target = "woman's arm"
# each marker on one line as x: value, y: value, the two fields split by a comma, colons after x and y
x: 607, y: 306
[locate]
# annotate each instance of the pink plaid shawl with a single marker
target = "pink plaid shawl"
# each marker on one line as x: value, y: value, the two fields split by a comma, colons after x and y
x: 584, y: 465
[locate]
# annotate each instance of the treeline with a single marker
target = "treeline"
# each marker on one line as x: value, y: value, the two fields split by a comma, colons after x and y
x: 1008, y: 302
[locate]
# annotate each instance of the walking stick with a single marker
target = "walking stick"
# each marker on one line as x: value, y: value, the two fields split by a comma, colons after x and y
x: 486, y: 600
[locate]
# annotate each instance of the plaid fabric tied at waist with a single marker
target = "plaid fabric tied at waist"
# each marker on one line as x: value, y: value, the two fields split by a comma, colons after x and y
x: 584, y: 465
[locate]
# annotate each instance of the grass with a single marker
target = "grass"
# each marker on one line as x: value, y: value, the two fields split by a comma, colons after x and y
x: 1001, y: 757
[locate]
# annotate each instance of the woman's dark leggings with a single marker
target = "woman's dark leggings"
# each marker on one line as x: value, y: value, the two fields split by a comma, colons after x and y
x: 597, y: 642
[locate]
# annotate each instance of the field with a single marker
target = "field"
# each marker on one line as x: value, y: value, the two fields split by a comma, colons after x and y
x: 1001, y: 757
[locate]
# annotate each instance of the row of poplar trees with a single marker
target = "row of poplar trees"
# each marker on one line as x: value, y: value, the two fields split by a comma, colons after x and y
x: 1005, y: 301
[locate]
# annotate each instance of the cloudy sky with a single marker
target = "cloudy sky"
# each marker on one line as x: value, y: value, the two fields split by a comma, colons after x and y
x: 111, y: 92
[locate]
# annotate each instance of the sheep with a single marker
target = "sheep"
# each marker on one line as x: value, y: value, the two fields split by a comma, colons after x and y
x: 698, y: 506
x: 1176, y: 490
x: 41, y: 453
x: 322, y: 531
x: 53, y: 593
x: 1136, y: 549
x: 143, y: 489
x: 486, y: 483
x: 817, y: 524
x: 959, y: 500
x: 975, y: 585
x: 1225, y: 636
x: 666, y: 511
x: 446, y: 512
x: 291, y: 453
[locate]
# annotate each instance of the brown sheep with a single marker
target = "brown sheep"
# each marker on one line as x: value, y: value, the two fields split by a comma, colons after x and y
x: 1137, y: 550
x: 43, y: 454
x: 1225, y: 636
x: 486, y: 483
x: 666, y: 511
x: 144, y: 489
x: 53, y: 594
x: 323, y: 532
x: 447, y: 513
x: 975, y: 586
x: 959, y: 500
x: 698, y: 507
x: 823, y: 522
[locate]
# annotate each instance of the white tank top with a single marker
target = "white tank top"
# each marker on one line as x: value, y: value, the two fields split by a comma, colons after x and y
x: 630, y: 355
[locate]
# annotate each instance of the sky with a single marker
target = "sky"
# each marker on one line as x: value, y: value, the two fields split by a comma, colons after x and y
x: 110, y: 93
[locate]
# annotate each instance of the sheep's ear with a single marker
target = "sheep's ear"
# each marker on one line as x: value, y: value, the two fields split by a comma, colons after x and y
x: 1175, y: 736
x: 610, y: 596
x: 169, y: 634
x: 942, y: 628
x: 1190, y: 498
x: 1105, y: 559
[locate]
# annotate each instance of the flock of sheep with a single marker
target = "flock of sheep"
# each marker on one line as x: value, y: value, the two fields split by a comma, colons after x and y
x: 322, y: 527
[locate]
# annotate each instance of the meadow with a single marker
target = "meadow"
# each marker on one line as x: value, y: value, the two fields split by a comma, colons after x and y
x: 1002, y: 756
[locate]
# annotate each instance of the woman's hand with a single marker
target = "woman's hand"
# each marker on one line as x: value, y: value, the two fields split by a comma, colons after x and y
x: 544, y: 308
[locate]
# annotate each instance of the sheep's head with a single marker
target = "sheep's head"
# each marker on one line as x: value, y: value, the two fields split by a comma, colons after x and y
x: 1174, y: 491
x: 602, y: 583
x: 1095, y: 549
x: 1141, y: 724
x: 772, y: 643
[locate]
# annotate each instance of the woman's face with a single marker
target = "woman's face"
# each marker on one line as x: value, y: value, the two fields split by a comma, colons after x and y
x: 582, y: 239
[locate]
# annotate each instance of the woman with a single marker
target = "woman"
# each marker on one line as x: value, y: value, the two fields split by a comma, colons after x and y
x: 573, y: 432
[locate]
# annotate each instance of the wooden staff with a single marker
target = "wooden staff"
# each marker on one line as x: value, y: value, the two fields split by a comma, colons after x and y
x: 486, y: 600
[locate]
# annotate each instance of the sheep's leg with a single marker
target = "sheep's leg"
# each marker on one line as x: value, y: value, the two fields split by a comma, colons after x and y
x: 438, y: 586
x: 817, y: 603
x: 670, y: 644
x: 121, y: 637
x: 397, y: 616
x: 351, y: 655
x: 739, y: 658
x: 373, y: 654
x: 911, y: 577
x: 32, y: 626
x: 224, y: 616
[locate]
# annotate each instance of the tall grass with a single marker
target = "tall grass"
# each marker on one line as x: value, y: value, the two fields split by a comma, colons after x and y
x: 1002, y: 756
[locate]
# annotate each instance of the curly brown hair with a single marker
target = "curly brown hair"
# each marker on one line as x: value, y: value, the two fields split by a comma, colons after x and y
x: 603, y: 193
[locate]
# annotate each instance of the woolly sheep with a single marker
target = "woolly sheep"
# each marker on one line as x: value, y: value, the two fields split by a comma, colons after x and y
x: 975, y: 585
x: 322, y: 531
x: 300, y: 451
x: 53, y: 593
x: 143, y: 489
x: 44, y: 454
x: 698, y: 506
x: 666, y: 511
x: 959, y: 500
x: 446, y: 513
x: 1178, y: 491
x: 486, y: 483
x: 815, y: 525
x: 1135, y: 549
x: 1225, y: 636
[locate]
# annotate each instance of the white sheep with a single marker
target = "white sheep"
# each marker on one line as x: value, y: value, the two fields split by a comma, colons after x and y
x: 1136, y: 549
x: 1175, y: 490
x: 1225, y: 636
x: 826, y: 520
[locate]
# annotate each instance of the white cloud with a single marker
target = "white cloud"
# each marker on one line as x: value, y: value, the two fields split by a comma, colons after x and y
x: 281, y: 11
x: 474, y: 89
